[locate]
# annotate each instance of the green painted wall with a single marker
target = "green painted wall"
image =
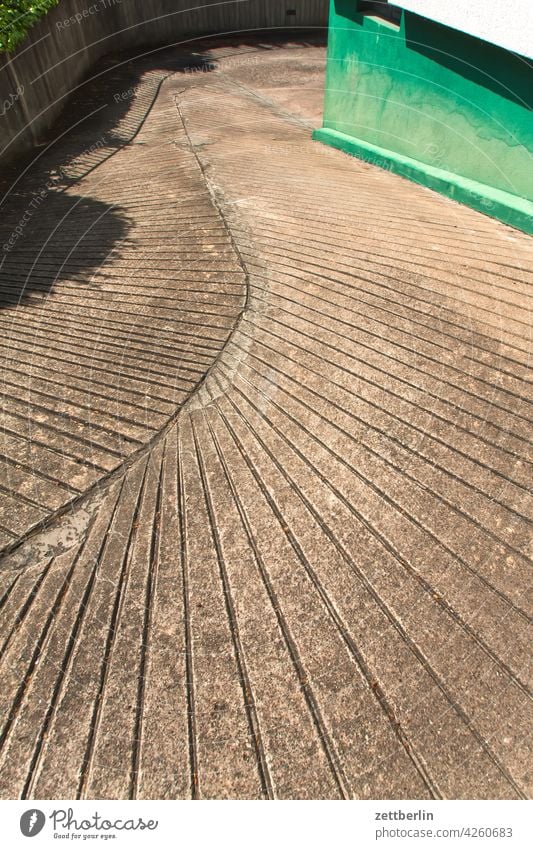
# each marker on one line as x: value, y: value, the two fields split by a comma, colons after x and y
x: 423, y: 92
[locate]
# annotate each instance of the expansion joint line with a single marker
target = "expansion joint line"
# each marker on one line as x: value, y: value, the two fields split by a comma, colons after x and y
x: 222, y: 215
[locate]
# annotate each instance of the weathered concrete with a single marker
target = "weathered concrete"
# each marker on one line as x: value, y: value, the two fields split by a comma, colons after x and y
x: 314, y: 584
x: 39, y: 80
x: 117, y: 293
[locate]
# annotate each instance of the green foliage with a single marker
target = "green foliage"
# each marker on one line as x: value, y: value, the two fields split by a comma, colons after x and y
x: 16, y: 18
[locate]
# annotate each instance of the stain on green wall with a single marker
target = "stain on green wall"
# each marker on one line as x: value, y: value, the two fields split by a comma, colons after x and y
x: 427, y: 93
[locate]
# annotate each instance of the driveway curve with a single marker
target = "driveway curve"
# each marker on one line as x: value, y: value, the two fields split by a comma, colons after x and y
x: 313, y: 580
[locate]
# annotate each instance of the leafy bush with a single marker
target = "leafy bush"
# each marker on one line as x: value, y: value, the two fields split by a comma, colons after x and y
x: 16, y: 18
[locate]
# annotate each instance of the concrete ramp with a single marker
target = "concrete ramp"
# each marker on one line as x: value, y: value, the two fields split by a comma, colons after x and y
x: 312, y: 579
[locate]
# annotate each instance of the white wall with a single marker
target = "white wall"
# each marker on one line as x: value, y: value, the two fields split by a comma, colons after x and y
x: 508, y: 23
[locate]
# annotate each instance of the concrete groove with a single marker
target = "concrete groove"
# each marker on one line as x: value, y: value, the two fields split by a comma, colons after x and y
x: 255, y: 733
x: 296, y: 387
x: 421, y: 353
x: 191, y: 724
x: 46, y: 379
x: 395, y: 554
x: 350, y: 356
x: 426, y: 433
x: 150, y: 585
x: 373, y: 684
x: 25, y: 608
x: 377, y: 260
x: 144, y: 370
x: 347, y: 557
x: 70, y: 644
x: 354, y: 471
x: 291, y: 646
x: 380, y: 695
x: 413, y: 309
x: 121, y: 583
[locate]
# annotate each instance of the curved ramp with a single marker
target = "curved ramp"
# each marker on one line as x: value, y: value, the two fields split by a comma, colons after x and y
x: 119, y: 288
x: 314, y: 584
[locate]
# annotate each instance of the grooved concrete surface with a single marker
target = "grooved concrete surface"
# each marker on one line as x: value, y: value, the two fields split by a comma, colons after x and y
x: 310, y: 578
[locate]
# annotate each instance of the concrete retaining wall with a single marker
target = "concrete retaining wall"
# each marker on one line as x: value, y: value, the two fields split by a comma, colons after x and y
x: 37, y: 79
